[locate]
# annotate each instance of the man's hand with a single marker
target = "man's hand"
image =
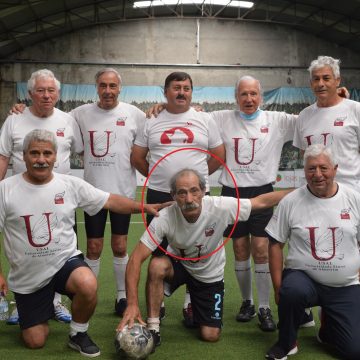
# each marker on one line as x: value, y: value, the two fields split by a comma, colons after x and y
x: 155, y: 110
x: 153, y: 209
x: 131, y: 315
x: 343, y: 92
x: 17, y: 109
x: 3, y: 285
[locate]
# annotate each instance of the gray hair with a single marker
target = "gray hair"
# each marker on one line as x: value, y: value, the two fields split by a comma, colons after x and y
x: 42, y: 74
x: 106, y: 70
x: 179, y: 174
x: 319, y: 149
x: 322, y: 61
x: 39, y: 135
x: 246, y: 78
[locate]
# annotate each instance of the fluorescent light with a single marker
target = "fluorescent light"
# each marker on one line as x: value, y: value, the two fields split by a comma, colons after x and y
x: 243, y: 4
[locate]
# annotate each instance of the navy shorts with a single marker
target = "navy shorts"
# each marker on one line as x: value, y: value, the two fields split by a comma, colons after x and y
x: 258, y: 221
x: 95, y: 225
x: 37, y: 308
x: 206, y: 298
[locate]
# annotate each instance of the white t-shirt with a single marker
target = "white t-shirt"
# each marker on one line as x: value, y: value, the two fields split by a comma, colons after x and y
x: 16, y: 127
x: 338, y: 127
x: 253, y: 147
x: 108, y: 137
x: 195, y: 240
x: 323, y: 234
x: 37, y: 223
x: 173, y: 132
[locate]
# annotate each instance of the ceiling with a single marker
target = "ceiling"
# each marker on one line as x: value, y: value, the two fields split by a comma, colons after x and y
x: 27, y: 22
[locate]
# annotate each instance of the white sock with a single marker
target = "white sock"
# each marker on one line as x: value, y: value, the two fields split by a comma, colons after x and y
x: 94, y: 265
x: 57, y: 298
x: 187, y: 299
x: 162, y: 304
x: 262, y: 280
x: 77, y: 327
x: 244, y: 278
x: 119, y: 272
x: 153, y: 323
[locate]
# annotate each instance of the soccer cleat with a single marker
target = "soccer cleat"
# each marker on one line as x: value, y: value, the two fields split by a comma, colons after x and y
x: 83, y: 343
x: 162, y: 313
x: 246, y: 312
x: 120, y: 306
x: 276, y: 352
x: 308, y: 319
x: 156, y: 336
x: 13, y: 318
x: 188, y: 317
x: 266, y: 321
x: 62, y: 314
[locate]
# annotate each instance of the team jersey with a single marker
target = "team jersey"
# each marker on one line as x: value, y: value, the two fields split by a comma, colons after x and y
x: 199, y: 239
x: 337, y: 127
x: 37, y: 224
x: 108, y: 137
x: 16, y: 127
x: 253, y: 147
x: 177, y: 132
x: 323, y: 234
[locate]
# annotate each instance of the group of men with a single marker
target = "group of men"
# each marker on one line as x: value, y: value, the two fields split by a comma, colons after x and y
x: 116, y: 138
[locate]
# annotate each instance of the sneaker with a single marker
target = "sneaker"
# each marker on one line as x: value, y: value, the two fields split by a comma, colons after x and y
x: 62, y: 314
x: 162, y: 313
x: 308, y: 319
x: 120, y: 306
x: 276, y: 352
x: 156, y: 336
x: 188, y: 316
x: 247, y: 311
x: 13, y: 318
x: 266, y: 321
x: 83, y: 343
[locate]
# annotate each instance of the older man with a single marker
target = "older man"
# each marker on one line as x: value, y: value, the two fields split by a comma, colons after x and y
x: 43, y: 90
x: 37, y: 217
x: 320, y: 222
x: 194, y: 228
x: 108, y: 129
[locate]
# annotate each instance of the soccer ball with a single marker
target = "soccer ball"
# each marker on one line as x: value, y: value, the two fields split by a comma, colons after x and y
x: 135, y: 343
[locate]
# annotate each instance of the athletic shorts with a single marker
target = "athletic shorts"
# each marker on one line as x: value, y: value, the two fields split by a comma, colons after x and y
x: 206, y: 298
x: 257, y: 222
x: 95, y: 225
x: 37, y: 308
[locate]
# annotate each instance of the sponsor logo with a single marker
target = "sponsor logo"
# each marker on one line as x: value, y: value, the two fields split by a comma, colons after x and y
x: 345, y: 214
x: 339, y: 121
x: 210, y: 229
x: 121, y: 121
x: 59, y: 198
x: 60, y: 132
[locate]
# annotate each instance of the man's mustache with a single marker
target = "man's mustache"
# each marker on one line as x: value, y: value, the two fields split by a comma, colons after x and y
x: 190, y: 206
x: 181, y: 97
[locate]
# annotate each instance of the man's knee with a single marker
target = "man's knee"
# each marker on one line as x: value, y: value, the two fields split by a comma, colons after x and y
x: 210, y: 334
x: 94, y: 248
x: 159, y: 267
x: 82, y: 281
x: 35, y: 337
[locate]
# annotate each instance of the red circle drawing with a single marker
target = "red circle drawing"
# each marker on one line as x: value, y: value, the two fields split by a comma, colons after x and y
x: 143, y: 196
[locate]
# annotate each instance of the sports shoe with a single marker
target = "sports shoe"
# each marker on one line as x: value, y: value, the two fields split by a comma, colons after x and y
x: 246, y: 312
x: 62, y: 314
x: 188, y: 316
x: 120, y: 306
x: 83, y: 343
x: 13, y: 318
x: 266, y: 321
x: 308, y: 319
x: 162, y: 313
x: 276, y: 352
x: 156, y: 336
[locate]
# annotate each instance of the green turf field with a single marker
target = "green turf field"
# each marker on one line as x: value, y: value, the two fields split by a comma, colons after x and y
x: 238, y: 341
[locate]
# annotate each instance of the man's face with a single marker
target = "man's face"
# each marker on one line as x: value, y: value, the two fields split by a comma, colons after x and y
x: 189, y: 196
x: 324, y: 84
x: 108, y: 88
x: 178, y: 95
x: 320, y: 174
x: 44, y: 96
x: 39, y: 160
x: 248, y: 96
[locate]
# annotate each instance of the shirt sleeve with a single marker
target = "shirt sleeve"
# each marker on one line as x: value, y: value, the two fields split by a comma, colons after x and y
x: 77, y: 145
x: 141, y: 138
x: 153, y: 236
x: 6, y: 144
x: 214, y: 134
x: 278, y: 226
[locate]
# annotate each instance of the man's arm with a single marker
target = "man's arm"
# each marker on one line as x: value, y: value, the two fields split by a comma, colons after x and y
x: 4, y: 163
x: 132, y: 277
x: 276, y: 263
x: 213, y: 163
x: 268, y: 200
x: 138, y: 159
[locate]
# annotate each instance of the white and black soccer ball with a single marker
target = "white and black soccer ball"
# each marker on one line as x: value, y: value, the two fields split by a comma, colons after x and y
x: 135, y: 343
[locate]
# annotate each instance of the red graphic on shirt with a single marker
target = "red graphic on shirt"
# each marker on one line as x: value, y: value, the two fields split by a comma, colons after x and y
x: 59, y: 198
x: 345, y: 214
x: 93, y: 144
x: 324, y: 136
x: 41, y: 230
x: 313, y: 243
x: 60, y: 132
x: 236, y: 143
x: 168, y: 134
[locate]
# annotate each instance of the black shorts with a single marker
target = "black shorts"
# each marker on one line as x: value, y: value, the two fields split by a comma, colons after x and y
x: 206, y: 298
x: 95, y: 225
x: 257, y: 222
x: 37, y: 308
